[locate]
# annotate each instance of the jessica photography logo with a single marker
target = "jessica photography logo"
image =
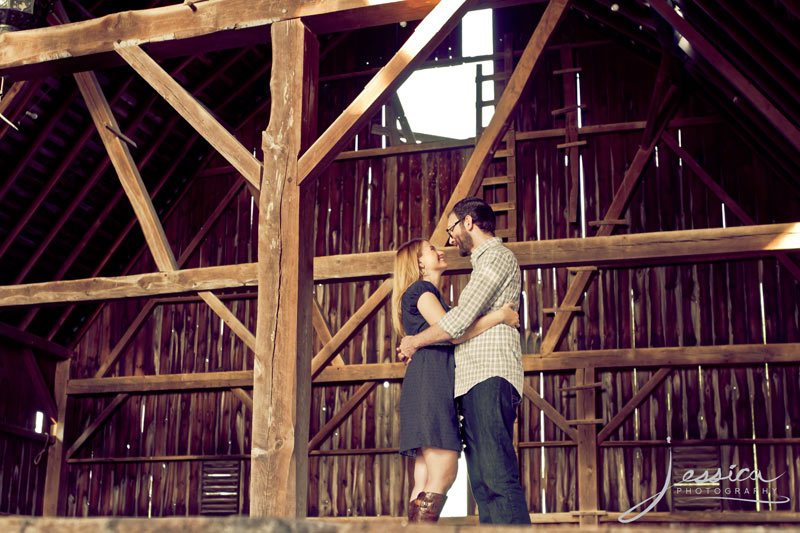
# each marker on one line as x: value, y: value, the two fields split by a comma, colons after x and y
x: 697, y: 485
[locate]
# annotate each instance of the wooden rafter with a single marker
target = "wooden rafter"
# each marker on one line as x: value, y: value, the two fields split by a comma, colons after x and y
x: 323, y: 331
x: 140, y: 200
x: 487, y: 143
x: 550, y: 411
x: 656, y: 248
x: 108, y: 360
x: 178, y: 30
x: 194, y: 113
x: 127, y: 171
x: 166, y: 175
x: 351, y: 327
x: 633, y: 403
x: 723, y: 197
x: 344, y: 411
x: 727, y: 70
x: 112, y: 407
x: 433, y: 28
x: 18, y: 336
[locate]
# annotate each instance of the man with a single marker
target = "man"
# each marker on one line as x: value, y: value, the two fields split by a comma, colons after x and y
x: 489, y: 375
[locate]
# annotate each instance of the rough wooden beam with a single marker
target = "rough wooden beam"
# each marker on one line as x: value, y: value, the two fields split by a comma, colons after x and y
x: 658, y: 248
x: 723, y: 197
x: 126, y: 170
x: 351, y: 327
x: 340, y: 375
x: 54, y: 503
x: 550, y: 412
x: 161, y: 383
x: 475, y: 168
x: 323, y: 331
x: 194, y: 113
x: 132, y: 183
x: 588, y: 457
x: 742, y: 354
x: 244, y: 397
x: 24, y: 338
x: 344, y: 411
x: 177, y: 30
x: 729, y: 72
x: 426, y: 37
x: 282, y: 381
x: 112, y: 407
x: 633, y: 403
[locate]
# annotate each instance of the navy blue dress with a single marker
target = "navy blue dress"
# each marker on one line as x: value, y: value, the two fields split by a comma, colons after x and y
x: 427, y: 409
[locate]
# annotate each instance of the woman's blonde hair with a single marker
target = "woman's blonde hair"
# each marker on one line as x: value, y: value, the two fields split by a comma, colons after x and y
x: 406, y: 272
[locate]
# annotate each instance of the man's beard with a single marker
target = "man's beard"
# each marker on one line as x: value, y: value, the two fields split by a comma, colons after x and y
x: 464, y: 243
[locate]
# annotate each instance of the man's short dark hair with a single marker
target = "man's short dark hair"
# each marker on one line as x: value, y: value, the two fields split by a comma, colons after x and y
x: 482, y: 215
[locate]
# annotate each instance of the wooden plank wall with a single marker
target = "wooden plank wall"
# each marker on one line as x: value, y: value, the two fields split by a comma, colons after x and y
x: 21, y: 474
x: 378, y: 204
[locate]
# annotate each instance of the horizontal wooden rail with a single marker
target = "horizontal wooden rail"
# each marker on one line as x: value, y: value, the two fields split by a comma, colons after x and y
x: 157, y: 459
x: 161, y: 383
x: 657, y: 248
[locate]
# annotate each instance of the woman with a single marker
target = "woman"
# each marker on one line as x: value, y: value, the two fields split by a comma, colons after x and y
x: 428, y: 421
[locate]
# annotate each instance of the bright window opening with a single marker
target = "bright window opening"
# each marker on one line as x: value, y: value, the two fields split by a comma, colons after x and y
x: 440, y: 101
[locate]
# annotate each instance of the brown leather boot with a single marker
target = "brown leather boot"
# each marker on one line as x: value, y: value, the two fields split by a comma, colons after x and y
x: 413, y: 508
x: 429, y: 506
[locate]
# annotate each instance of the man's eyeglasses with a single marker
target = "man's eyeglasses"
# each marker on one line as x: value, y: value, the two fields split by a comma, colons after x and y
x: 451, y: 228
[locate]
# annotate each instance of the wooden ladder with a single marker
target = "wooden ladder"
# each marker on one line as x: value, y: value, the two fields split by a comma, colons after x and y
x: 500, y: 191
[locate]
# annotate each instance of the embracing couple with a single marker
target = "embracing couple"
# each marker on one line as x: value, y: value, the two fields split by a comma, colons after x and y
x: 463, y: 361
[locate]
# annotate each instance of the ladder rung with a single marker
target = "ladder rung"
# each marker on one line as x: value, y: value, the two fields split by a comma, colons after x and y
x: 562, y: 110
x: 567, y: 70
x: 583, y: 421
x: 486, y: 103
x: 493, y: 77
x: 566, y: 308
x: 609, y: 222
x: 502, y: 154
x: 597, y: 385
x: 575, y: 270
x: 498, y: 180
x: 504, y: 206
x: 571, y: 144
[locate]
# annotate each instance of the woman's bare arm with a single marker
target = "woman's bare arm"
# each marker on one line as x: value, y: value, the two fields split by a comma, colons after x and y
x: 431, y: 310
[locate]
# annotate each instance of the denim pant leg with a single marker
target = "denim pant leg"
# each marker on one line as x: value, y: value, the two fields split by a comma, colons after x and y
x: 489, y: 411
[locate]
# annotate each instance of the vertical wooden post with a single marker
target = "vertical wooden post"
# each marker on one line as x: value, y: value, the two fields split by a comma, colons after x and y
x: 54, y: 495
x: 282, y: 373
x: 588, y: 464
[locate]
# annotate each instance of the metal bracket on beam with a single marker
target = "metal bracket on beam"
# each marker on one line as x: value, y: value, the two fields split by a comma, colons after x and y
x: 121, y: 135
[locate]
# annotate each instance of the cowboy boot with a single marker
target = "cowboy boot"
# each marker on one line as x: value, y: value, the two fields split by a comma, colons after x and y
x: 413, y: 508
x: 430, y: 506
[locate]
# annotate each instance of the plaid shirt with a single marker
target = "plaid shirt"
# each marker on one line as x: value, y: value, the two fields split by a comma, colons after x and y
x: 495, y: 281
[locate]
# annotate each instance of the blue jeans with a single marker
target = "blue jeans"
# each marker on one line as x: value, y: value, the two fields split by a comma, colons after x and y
x: 489, y: 410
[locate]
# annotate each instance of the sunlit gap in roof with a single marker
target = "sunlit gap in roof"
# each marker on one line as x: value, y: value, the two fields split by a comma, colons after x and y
x: 440, y: 101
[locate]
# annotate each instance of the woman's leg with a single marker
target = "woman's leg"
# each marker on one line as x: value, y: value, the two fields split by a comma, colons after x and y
x: 442, y: 467
x: 420, y: 474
